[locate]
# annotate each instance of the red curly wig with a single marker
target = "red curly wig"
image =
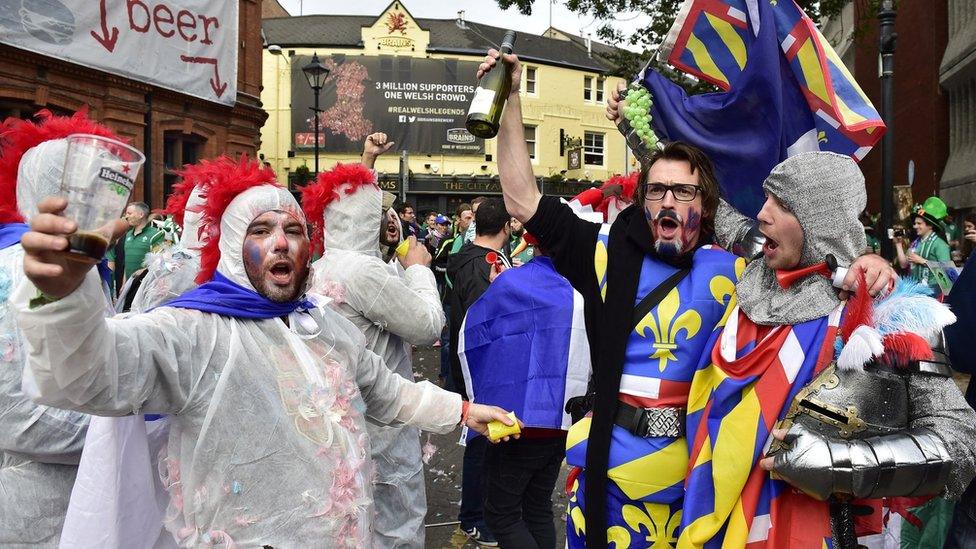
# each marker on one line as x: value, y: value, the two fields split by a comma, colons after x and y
x: 19, y: 136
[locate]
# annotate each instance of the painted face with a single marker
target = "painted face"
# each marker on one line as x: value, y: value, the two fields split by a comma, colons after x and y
x: 389, y: 229
x: 276, y: 255
x: 784, y: 236
x: 464, y: 220
x: 675, y: 225
x: 922, y: 227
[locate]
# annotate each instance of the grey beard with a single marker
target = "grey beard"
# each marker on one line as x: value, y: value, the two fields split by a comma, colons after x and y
x: 667, y: 250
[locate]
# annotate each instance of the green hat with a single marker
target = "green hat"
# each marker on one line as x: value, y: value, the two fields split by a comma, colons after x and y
x: 934, y: 211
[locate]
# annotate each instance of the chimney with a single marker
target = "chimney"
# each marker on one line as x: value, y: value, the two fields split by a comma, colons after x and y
x: 589, y: 46
x: 460, y: 18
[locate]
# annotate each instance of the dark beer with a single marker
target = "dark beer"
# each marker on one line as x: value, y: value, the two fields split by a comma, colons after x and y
x: 88, y: 243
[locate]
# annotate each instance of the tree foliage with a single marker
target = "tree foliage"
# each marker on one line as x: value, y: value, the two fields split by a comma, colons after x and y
x: 662, y: 12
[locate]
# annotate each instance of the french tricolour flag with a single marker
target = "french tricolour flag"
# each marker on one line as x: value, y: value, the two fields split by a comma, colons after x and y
x: 523, y: 345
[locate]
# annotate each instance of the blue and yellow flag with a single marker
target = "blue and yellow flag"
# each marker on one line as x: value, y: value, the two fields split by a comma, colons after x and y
x: 785, y: 91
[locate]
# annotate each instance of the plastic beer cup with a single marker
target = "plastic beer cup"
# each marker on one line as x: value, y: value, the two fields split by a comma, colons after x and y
x: 98, y: 177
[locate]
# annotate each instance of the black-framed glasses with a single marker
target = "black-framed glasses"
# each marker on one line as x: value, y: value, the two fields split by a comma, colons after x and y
x: 681, y: 192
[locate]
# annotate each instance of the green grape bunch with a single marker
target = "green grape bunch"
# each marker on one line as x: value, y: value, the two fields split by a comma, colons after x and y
x: 638, y: 112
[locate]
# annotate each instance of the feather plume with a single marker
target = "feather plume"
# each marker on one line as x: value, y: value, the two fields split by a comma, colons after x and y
x: 19, y: 136
x: 628, y: 182
x: 229, y: 179
x: 910, y: 308
x: 859, y: 311
x: 901, y: 349
x: 863, y: 344
x: 317, y: 196
x: 191, y: 176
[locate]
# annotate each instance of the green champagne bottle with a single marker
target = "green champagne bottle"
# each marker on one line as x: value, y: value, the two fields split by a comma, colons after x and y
x: 489, y: 97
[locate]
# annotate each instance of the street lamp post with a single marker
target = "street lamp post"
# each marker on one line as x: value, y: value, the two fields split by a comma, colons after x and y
x: 886, y: 48
x: 316, y: 73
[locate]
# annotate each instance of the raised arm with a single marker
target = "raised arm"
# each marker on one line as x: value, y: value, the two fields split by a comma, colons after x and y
x: 80, y: 360
x: 514, y: 166
x: 408, y: 307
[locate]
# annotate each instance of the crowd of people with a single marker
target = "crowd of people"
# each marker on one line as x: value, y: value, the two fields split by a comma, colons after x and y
x: 248, y: 380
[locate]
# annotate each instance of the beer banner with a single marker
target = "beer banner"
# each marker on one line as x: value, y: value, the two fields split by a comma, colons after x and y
x: 189, y: 46
x: 419, y: 103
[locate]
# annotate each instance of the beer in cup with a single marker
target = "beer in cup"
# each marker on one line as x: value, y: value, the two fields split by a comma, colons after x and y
x: 98, y: 176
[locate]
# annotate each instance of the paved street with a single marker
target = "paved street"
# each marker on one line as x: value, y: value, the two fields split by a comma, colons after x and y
x: 443, y: 474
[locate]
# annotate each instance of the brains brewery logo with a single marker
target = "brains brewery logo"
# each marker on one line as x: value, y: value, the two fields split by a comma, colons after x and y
x: 459, y: 135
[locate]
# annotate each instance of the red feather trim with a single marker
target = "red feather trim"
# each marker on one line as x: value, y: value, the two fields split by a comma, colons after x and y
x: 628, y: 182
x: 903, y: 348
x: 317, y: 196
x: 19, y: 136
x: 860, y: 310
x: 228, y: 178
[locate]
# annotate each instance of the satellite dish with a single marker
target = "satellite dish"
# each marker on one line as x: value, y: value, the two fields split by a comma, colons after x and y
x: 911, y: 172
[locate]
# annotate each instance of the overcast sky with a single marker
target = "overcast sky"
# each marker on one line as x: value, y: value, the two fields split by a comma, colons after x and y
x: 481, y: 11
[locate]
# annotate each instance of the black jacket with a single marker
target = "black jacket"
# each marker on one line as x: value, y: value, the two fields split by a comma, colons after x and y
x: 571, y: 242
x: 469, y: 274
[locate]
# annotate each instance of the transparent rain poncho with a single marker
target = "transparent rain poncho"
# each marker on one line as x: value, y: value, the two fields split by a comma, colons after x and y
x: 267, y: 443
x: 118, y: 499
x: 393, y: 311
x: 39, y: 446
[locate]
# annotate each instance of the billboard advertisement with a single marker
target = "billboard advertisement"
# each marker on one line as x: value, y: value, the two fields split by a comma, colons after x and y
x: 419, y: 103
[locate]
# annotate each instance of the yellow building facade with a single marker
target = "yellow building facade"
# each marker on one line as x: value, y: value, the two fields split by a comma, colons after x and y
x: 564, y: 86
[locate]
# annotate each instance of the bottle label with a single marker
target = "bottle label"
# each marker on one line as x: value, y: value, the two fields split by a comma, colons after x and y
x: 481, y: 102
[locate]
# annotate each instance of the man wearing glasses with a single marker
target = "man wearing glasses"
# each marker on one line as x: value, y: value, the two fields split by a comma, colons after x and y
x: 656, y: 295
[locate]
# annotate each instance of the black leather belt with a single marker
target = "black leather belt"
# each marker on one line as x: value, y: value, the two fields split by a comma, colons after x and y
x: 651, y: 422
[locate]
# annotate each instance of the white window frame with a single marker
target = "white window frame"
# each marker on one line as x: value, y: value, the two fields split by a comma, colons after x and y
x: 587, y: 88
x: 590, y: 147
x: 601, y: 83
x: 534, y: 151
x: 534, y: 80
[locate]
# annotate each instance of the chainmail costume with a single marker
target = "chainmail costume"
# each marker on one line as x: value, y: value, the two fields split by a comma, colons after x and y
x: 825, y: 191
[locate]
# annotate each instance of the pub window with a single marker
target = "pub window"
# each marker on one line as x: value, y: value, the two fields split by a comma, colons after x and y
x: 25, y: 110
x: 179, y: 149
x: 386, y: 68
x: 587, y: 88
x: 599, y: 88
x: 403, y: 69
x: 530, y: 80
x: 451, y: 70
x: 530, y: 140
x: 593, y: 148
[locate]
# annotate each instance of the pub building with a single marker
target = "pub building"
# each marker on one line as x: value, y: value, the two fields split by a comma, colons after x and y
x: 413, y: 79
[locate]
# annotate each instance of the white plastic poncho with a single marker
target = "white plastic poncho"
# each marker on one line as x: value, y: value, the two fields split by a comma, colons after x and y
x: 118, y: 499
x: 39, y: 446
x: 267, y: 443
x: 392, y: 312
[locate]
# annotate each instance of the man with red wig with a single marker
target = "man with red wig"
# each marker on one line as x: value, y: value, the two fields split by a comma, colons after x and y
x: 268, y: 389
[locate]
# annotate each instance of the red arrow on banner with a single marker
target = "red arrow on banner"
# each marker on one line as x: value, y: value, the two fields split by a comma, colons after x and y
x: 107, y: 38
x: 215, y: 83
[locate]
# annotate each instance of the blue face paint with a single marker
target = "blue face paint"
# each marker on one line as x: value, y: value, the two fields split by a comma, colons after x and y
x: 694, y: 220
x: 253, y: 253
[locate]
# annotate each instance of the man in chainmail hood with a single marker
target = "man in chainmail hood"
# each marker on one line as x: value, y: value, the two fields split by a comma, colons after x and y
x: 849, y: 400
x: 825, y: 193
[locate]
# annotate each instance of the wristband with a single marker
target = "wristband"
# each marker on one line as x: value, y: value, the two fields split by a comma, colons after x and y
x: 465, y: 405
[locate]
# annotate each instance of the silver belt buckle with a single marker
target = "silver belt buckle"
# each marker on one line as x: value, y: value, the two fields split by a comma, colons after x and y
x: 661, y: 422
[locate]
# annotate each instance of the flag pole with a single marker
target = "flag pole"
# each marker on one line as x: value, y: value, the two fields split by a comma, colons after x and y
x: 886, y: 48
